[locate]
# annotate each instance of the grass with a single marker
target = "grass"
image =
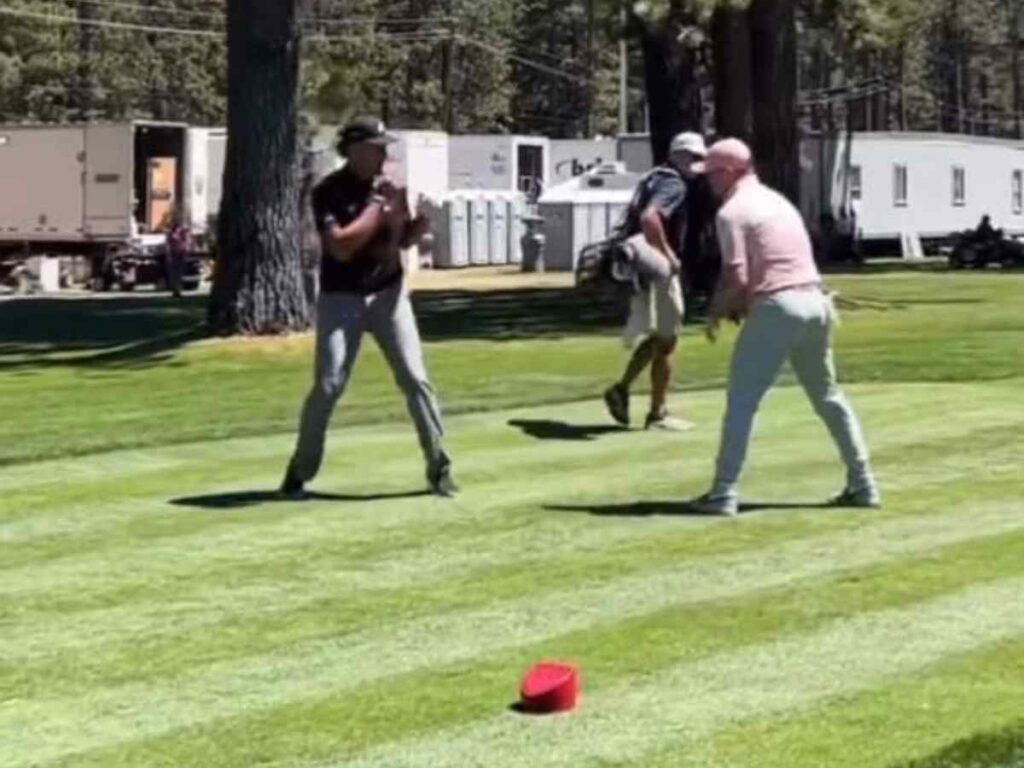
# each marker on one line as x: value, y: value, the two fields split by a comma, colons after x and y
x: 159, y: 607
x: 86, y: 376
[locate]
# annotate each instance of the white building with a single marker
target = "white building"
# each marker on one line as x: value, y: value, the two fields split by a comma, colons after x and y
x: 574, y: 157
x: 926, y: 184
x: 498, y: 162
x: 930, y: 185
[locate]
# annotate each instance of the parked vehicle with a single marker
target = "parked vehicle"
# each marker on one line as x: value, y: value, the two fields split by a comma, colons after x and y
x: 106, y: 192
x: 974, y: 251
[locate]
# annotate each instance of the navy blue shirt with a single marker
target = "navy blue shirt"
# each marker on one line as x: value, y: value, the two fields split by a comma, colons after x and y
x: 666, y: 190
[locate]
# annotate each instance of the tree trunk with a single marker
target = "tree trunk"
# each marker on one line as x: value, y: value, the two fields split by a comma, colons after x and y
x: 258, y: 286
x: 730, y: 43
x: 670, y: 82
x: 84, y: 96
x: 773, y: 80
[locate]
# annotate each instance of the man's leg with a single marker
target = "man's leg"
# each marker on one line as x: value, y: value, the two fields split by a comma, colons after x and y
x: 175, y: 270
x: 760, y: 350
x: 616, y: 397
x: 340, y: 319
x: 813, y: 364
x: 644, y: 354
x: 668, y: 319
x: 393, y: 324
x: 661, y: 372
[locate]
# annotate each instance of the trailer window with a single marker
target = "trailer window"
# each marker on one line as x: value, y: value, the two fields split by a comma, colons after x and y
x: 899, y: 185
x: 1017, y: 191
x: 959, y: 185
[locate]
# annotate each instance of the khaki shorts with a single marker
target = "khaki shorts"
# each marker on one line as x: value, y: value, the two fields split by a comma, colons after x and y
x: 655, y: 311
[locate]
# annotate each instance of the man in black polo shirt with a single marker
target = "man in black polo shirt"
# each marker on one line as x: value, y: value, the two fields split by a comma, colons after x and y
x: 364, y: 221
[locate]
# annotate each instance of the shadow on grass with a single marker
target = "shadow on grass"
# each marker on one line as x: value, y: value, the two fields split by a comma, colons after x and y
x: 670, y: 508
x: 111, y: 332
x: 243, y: 499
x: 1002, y: 749
x: 516, y: 314
x: 139, y: 330
x: 547, y: 429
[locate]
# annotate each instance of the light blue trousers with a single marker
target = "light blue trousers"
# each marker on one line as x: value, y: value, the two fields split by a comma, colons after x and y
x: 792, y: 325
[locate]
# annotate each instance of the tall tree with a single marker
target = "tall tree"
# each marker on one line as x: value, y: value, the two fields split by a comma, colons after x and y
x: 730, y: 45
x: 671, y: 43
x: 773, y: 66
x: 258, y: 285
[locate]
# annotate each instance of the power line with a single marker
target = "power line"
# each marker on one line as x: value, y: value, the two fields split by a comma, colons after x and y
x: 61, y: 19
x: 215, y: 34
x: 221, y: 16
x: 531, y: 63
x: 151, y: 9
x: 412, y: 36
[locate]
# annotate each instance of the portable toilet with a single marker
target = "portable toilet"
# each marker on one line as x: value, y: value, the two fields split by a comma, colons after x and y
x: 516, y: 228
x: 479, y: 238
x: 582, y: 211
x: 498, y: 210
x: 451, y: 231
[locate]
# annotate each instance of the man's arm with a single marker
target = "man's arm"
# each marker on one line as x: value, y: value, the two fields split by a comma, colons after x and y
x: 342, y: 242
x: 668, y: 195
x: 729, y: 300
x: 652, y: 226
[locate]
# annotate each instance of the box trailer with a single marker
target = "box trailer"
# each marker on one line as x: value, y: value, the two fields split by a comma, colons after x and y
x: 498, y: 162
x: 104, y: 191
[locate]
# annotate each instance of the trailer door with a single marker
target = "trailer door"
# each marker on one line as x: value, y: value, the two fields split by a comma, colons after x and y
x: 109, y: 151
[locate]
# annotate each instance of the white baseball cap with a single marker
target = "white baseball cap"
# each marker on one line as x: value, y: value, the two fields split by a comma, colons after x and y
x: 689, y: 142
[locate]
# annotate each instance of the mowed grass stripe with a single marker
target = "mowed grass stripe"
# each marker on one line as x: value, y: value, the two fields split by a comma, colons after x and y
x: 909, y: 718
x: 337, y: 563
x: 57, y: 487
x: 241, y: 539
x: 611, y: 546
x: 49, y: 728
x: 344, y: 723
x: 692, y: 701
x: 575, y: 545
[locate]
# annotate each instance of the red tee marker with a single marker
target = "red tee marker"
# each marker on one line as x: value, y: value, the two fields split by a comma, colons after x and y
x: 549, y: 687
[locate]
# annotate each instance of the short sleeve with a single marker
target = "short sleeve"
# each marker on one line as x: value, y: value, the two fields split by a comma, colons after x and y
x: 668, y: 195
x: 321, y: 210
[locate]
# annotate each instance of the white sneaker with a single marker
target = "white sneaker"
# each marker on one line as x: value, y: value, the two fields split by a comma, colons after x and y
x: 721, y: 506
x: 667, y: 423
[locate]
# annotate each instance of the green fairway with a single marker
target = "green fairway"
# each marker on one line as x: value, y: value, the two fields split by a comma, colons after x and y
x: 159, y: 607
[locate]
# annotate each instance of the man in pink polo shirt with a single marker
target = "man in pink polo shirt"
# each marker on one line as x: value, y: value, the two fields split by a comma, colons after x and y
x: 770, y: 283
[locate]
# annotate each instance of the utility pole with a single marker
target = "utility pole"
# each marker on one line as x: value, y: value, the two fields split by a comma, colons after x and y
x: 448, y: 72
x: 85, y: 91
x: 591, y: 95
x: 623, y: 77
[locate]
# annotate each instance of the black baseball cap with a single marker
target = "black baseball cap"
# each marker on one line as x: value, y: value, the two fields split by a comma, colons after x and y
x: 369, y: 129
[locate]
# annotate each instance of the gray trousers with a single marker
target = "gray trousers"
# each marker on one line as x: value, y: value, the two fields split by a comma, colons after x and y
x: 797, y: 325
x: 342, y: 318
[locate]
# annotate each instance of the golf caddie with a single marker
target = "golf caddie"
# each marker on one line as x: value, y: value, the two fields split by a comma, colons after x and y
x: 770, y: 284
x: 653, y: 232
x: 364, y: 222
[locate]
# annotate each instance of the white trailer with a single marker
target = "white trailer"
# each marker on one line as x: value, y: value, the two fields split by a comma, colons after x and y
x: 498, y: 162
x: 104, y: 191
x: 926, y: 185
x: 574, y: 157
